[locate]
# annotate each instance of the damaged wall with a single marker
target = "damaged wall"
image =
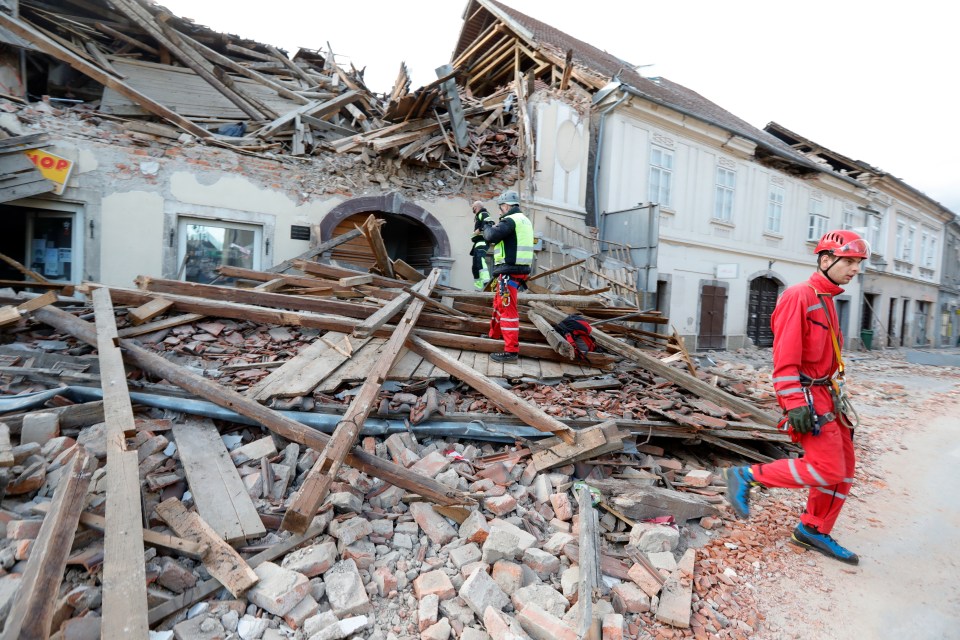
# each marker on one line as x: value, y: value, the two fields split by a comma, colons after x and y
x: 138, y: 191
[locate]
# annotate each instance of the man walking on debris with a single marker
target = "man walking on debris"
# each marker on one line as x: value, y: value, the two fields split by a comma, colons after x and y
x: 478, y: 248
x: 512, y: 238
x: 808, y: 377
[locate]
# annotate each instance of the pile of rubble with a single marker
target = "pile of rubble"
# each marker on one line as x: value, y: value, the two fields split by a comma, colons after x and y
x: 552, y: 497
x: 125, y: 60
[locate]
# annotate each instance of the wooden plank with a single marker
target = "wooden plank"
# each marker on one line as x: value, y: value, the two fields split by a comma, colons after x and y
x: 63, y: 54
x: 317, y: 483
x: 550, y: 369
x: 312, y: 253
x: 219, y: 493
x: 160, y: 325
x: 530, y: 367
x: 641, y: 502
x: 149, y: 311
x: 382, y: 316
x: 407, y: 272
x: 32, y: 611
x: 359, y: 365
x: 316, y: 108
x: 371, y: 231
x: 494, y: 368
x: 165, y: 541
x: 124, y: 575
x: 554, y: 339
x: 301, y: 374
x: 221, y: 560
x: 572, y: 369
x: 49, y: 297
x: 22, y: 269
x: 589, y: 562
x: 353, y: 281
x: 208, y: 587
x: 558, y: 453
x: 272, y: 420
x: 405, y: 365
x: 467, y: 358
x: 423, y: 370
x: 9, y: 316
x: 677, y: 376
x: 506, y: 400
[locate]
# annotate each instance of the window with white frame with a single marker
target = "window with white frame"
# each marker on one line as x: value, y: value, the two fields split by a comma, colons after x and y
x: 901, y: 240
x: 817, y: 220
x: 661, y: 176
x: 206, y: 245
x: 873, y: 234
x: 908, y: 245
x: 775, y: 200
x: 726, y: 183
x: 928, y: 249
x: 848, y: 212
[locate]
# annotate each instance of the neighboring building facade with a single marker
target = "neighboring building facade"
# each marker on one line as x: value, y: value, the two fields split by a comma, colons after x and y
x: 948, y: 302
x: 906, y: 229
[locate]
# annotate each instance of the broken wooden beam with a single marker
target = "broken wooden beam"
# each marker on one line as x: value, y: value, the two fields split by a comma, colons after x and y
x: 679, y: 377
x: 165, y: 541
x: 371, y: 231
x: 272, y: 420
x: 218, y: 491
x: 220, y: 559
x: 317, y: 483
x: 33, y: 608
x: 61, y: 53
x: 554, y: 339
x: 124, y: 575
x: 506, y: 400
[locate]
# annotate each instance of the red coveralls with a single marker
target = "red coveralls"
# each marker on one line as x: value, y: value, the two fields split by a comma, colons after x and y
x: 505, y: 321
x: 802, y: 344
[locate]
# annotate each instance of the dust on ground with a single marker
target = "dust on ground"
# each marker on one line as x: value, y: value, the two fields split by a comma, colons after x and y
x: 902, y: 518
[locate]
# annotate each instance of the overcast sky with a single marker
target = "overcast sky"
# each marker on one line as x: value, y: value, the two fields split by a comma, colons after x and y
x: 874, y: 81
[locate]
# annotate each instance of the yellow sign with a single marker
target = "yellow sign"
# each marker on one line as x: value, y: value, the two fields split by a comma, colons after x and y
x: 53, y: 167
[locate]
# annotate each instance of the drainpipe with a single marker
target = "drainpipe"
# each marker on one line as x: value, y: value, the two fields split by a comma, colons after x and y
x: 596, y: 164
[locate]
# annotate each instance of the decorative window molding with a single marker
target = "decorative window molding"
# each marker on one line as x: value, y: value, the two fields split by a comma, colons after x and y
x: 663, y: 141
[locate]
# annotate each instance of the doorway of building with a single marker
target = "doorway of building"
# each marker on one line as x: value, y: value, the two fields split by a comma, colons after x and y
x: 904, y: 321
x: 713, y: 306
x: 405, y: 238
x: 892, y: 323
x: 45, y: 241
x: 763, y: 300
x: 920, y: 320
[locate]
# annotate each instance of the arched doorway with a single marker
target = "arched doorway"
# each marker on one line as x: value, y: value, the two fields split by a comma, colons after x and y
x: 409, y: 232
x: 763, y: 300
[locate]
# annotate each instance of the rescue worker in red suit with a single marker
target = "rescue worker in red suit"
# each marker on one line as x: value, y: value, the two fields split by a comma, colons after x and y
x: 808, y: 379
x: 512, y: 240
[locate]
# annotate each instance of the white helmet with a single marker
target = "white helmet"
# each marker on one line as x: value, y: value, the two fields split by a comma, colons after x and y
x: 509, y: 197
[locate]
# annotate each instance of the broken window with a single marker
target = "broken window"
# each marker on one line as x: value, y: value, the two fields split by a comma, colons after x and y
x: 206, y: 245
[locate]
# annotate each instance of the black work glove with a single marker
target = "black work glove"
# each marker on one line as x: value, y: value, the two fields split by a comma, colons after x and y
x: 800, y: 419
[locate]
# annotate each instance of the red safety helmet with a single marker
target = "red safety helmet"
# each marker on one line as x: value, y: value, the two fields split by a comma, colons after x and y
x: 844, y: 243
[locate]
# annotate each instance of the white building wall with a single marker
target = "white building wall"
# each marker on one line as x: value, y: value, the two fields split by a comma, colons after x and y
x: 693, y: 244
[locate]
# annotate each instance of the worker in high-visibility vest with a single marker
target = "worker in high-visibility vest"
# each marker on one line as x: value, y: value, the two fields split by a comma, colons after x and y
x: 513, y: 241
x: 478, y: 248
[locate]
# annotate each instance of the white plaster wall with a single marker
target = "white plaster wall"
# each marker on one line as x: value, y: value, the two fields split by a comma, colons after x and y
x: 562, y: 152
x: 131, y: 227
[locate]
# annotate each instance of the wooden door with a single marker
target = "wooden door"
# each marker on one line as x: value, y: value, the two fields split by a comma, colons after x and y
x: 763, y: 300
x: 713, y: 304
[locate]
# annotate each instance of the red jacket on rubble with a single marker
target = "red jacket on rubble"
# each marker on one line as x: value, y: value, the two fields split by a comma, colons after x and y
x: 802, y: 342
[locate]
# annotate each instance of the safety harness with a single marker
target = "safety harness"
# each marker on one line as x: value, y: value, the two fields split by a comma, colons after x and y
x: 844, y: 409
